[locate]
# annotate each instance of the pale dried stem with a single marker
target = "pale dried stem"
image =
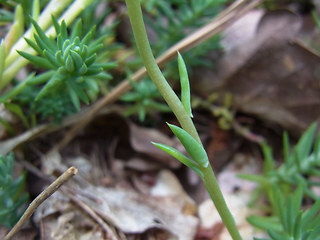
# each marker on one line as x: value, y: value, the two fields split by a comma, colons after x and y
x: 40, y: 199
x: 92, y: 214
x: 71, y: 193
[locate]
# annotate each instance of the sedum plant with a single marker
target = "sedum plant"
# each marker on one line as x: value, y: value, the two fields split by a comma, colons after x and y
x: 32, y: 38
x: 71, y: 63
x: 289, y: 219
x: 187, y: 134
x: 72, y: 72
x: 299, y: 165
x: 11, y: 62
x: 287, y: 186
x: 12, y: 197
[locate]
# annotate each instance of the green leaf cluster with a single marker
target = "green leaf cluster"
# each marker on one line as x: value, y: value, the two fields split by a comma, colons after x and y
x: 7, y: 10
x: 287, y: 185
x: 145, y: 95
x: 300, y: 164
x: 12, y: 197
x: 71, y: 61
x: 290, y: 221
x: 72, y: 72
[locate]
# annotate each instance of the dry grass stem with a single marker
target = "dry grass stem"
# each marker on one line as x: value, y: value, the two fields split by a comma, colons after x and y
x: 40, y: 199
x: 111, y: 231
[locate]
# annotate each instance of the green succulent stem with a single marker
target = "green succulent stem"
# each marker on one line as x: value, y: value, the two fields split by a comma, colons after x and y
x: 211, y: 184
x: 209, y: 179
x: 135, y: 14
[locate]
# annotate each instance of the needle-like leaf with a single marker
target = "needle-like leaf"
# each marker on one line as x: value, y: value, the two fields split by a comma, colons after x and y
x: 179, y: 156
x: 185, y: 85
x: 194, y: 149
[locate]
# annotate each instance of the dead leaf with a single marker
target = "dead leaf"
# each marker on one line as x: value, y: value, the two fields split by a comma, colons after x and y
x: 280, y: 84
x: 270, y: 74
x: 141, y: 139
x: 71, y: 225
x: 24, y: 234
x: 112, y: 142
x: 168, y: 185
x: 137, y: 213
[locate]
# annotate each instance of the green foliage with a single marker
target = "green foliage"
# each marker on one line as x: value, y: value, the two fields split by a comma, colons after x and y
x: 55, y: 105
x: 145, y: 95
x: 144, y: 98
x: 7, y: 10
x: 199, y: 159
x: 287, y: 220
x: 300, y: 163
x: 12, y: 197
x: 290, y: 221
x: 6, y: 16
x: 72, y: 72
x: 173, y: 20
x: 73, y: 61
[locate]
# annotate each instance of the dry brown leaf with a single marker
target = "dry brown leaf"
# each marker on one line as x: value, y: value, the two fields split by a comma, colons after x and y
x: 71, y: 225
x: 141, y: 138
x: 137, y: 213
x: 269, y: 73
x: 112, y: 142
x: 169, y: 209
x: 23, y: 234
x: 168, y: 185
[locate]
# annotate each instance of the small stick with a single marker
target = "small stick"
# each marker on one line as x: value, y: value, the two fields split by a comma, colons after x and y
x: 246, y: 133
x: 40, y: 199
x: 92, y: 214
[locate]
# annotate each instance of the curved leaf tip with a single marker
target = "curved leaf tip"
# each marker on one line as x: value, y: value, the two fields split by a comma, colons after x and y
x: 179, y: 156
x: 193, y: 147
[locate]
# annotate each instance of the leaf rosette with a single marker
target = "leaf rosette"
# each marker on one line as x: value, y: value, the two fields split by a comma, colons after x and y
x: 70, y: 61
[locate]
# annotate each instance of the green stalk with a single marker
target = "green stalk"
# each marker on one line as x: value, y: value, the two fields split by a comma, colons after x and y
x: 136, y: 19
x: 209, y: 179
x: 211, y: 184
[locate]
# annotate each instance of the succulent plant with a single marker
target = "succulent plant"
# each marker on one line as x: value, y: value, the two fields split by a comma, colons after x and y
x: 71, y: 63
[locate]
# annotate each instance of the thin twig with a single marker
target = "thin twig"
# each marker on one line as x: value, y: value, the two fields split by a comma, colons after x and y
x: 246, y: 133
x: 92, y: 214
x: 71, y: 192
x: 42, y: 197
